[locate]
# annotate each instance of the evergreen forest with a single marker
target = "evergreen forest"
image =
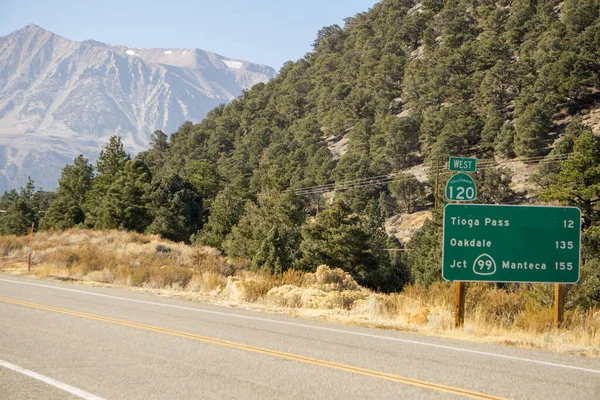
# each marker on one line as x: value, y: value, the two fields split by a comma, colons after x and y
x: 306, y: 169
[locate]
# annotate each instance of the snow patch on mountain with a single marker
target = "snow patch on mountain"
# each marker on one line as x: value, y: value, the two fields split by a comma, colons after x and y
x: 233, y: 64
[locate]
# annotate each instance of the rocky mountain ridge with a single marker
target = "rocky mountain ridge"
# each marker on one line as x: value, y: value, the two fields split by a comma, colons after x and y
x: 60, y: 98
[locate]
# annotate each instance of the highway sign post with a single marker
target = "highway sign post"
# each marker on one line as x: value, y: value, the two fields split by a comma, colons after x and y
x: 500, y: 243
x: 462, y: 164
x: 461, y: 187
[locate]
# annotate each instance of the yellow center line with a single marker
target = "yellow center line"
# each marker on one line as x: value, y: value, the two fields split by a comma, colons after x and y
x: 289, y: 356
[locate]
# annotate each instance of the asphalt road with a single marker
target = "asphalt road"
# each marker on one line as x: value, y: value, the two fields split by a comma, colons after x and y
x: 66, y: 341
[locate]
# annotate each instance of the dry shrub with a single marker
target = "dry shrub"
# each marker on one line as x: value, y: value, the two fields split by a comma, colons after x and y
x: 295, y: 297
x: 441, y: 294
x: 92, y: 258
x: 82, y: 259
x: 313, y: 298
x: 390, y: 304
x: 440, y: 319
x: 421, y: 317
x: 204, y: 258
x: 168, y: 276
x: 285, y: 296
x: 292, y: 277
x: 325, y: 289
x: 413, y: 298
x: 139, y: 238
x: 369, y: 305
x: 138, y: 276
x: 207, y: 282
x: 334, y: 279
x: 495, y: 306
x: 11, y: 244
x: 344, y: 299
x: 256, y: 287
x: 58, y: 257
x: 588, y: 322
x: 104, y: 276
x: 536, y: 320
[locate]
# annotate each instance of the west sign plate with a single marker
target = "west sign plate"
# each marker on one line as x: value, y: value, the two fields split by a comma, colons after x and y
x: 462, y: 164
x: 499, y: 243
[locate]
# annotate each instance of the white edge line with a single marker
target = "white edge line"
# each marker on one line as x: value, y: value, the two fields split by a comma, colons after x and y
x: 414, y: 342
x: 52, y: 382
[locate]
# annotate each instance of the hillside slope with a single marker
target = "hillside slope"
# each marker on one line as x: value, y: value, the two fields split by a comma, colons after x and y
x: 305, y: 169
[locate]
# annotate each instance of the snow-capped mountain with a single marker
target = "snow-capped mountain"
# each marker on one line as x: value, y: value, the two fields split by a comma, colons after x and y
x: 60, y: 98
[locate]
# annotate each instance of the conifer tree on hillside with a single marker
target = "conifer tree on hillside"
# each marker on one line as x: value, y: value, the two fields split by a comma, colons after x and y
x: 123, y: 206
x: 68, y: 208
x: 110, y: 163
x: 341, y: 239
x: 22, y: 208
x: 578, y: 183
x: 175, y: 208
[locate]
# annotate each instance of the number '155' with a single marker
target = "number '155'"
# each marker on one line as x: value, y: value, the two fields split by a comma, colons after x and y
x: 563, y: 265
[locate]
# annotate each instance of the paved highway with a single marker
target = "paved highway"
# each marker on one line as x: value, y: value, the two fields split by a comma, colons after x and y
x: 62, y: 341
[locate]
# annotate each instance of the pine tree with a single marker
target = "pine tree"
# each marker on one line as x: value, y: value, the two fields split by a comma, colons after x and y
x: 341, y: 239
x: 110, y: 163
x: 68, y: 208
x: 175, y: 207
x: 22, y: 209
x: 531, y: 130
x: 123, y: 205
x: 408, y: 192
x: 425, y: 256
x: 225, y: 212
x: 277, y: 215
x: 578, y: 183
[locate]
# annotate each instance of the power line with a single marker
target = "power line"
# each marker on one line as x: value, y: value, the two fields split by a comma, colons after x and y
x: 389, y: 178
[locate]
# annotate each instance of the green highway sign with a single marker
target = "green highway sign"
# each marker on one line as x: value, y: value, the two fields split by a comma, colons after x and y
x: 499, y: 243
x: 461, y: 187
x: 463, y: 164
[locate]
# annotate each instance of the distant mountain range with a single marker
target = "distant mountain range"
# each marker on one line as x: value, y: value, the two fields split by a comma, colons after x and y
x: 60, y: 98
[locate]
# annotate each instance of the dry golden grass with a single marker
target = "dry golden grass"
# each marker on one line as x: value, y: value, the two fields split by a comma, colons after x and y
x: 145, y: 262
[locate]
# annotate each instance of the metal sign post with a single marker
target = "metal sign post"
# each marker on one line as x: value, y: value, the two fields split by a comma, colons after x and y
x: 461, y: 188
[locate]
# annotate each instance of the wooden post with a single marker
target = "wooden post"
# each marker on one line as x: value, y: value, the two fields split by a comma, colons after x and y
x: 459, y: 309
x: 559, y: 304
x: 30, y: 248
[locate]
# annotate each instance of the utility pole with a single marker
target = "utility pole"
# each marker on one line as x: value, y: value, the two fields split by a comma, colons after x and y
x: 437, y: 182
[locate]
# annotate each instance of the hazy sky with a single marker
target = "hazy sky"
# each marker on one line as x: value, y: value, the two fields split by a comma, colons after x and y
x: 263, y: 31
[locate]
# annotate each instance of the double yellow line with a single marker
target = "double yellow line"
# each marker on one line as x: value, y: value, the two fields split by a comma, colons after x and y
x: 260, y: 350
